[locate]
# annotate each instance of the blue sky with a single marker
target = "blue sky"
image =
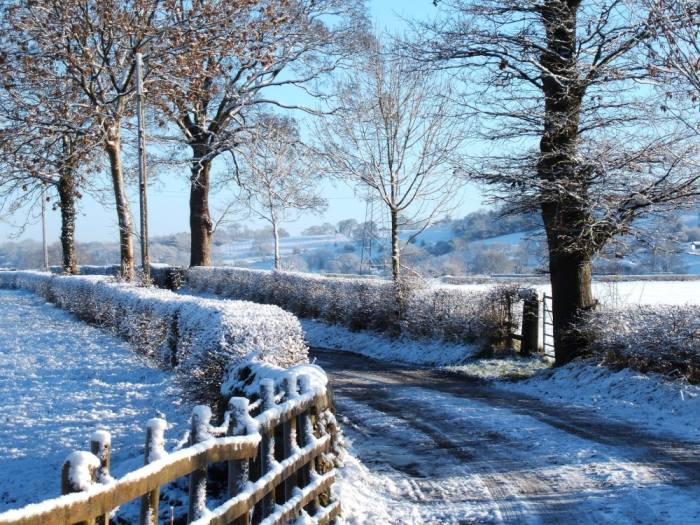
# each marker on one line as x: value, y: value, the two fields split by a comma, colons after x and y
x: 168, y: 198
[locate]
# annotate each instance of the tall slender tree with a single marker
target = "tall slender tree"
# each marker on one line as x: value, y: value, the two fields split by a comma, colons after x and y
x: 558, y: 88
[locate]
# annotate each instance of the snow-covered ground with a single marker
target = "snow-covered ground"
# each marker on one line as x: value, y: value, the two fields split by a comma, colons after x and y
x: 649, y: 400
x: 378, y: 346
x: 60, y: 379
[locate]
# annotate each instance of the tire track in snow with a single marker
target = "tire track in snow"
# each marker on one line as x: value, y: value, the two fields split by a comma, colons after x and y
x: 622, y: 477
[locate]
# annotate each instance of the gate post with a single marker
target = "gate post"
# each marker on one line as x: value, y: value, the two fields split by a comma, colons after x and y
x: 531, y: 322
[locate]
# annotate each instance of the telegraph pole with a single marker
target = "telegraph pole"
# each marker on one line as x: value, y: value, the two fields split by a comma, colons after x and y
x: 44, y: 240
x: 145, y: 263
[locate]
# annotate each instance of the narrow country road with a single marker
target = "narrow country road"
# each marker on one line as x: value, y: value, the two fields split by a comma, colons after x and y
x: 450, y: 450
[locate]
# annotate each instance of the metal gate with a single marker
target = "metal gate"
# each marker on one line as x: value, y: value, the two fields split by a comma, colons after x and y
x: 547, y: 326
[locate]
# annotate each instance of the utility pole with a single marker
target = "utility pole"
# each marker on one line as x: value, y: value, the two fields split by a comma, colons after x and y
x: 43, y: 228
x: 145, y: 263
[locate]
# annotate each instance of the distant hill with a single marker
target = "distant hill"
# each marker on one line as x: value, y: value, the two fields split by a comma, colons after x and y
x: 484, y: 242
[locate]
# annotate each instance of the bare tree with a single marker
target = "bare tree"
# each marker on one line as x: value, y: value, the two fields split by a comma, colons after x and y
x: 674, y: 56
x: 238, y: 54
x: 393, y: 133
x: 277, y: 180
x: 31, y: 164
x: 569, y: 128
x: 92, y: 44
x: 46, y: 140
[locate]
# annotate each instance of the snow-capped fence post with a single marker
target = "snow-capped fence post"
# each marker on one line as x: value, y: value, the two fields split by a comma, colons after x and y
x: 101, y: 447
x: 289, y: 435
x: 267, y: 444
x: 238, y: 470
x: 201, y: 420
x: 306, y: 437
x: 79, y: 473
x: 529, y: 342
x: 154, y: 450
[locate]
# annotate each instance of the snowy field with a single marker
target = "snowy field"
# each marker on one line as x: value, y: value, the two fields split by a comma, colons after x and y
x: 615, y: 294
x: 60, y: 379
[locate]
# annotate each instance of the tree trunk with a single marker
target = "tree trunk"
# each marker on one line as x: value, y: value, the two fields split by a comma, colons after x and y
x: 395, y: 249
x: 278, y: 258
x: 565, y: 192
x: 66, y: 195
x: 572, y: 297
x: 126, y: 246
x: 400, y: 291
x: 201, y: 226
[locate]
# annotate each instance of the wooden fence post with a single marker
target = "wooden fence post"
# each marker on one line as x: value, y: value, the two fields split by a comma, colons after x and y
x: 154, y: 450
x: 79, y: 473
x: 291, y: 390
x: 306, y: 437
x: 267, y: 444
x: 101, y: 447
x: 238, y: 470
x: 201, y: 419
x: 531, y: 322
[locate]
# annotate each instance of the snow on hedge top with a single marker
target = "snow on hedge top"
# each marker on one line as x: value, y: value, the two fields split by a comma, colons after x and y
x: 358, y: 303
x: 183, y: 329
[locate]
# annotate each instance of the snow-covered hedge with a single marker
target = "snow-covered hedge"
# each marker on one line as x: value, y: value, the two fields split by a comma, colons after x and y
x: 660, y: 338
x: 437, y: 312
x: 90, y: 269
x: 199, y: 337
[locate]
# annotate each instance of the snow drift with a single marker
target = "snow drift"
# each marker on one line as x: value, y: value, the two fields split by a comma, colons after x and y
x: 199, y: 338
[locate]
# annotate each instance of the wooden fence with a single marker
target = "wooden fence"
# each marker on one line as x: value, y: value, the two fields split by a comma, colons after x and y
x: 272, y: 467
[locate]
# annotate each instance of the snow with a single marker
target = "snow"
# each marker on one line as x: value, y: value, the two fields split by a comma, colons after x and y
x: 245, y: 424
x: 379, y: 346
x: 135, y: 475
x: 650, y: 400
x: 297, y: 496
x: 193, y: 333
x: 156, y: 445
x: 247, y: 378
x: 104, y: 438
x: 510, y: 239
x: 81, y: 467
x: 100, y: 357
x: 420, y: 455
x: 248, y: 251
x: 60, y: 380
x: 616, y: 293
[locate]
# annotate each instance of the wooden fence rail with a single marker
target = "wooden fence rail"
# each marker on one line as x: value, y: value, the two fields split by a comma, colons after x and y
x: 270, y: 460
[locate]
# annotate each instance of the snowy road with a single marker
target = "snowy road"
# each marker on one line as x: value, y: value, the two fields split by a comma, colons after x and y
x: 60, y: 379
x: 447, y: 450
